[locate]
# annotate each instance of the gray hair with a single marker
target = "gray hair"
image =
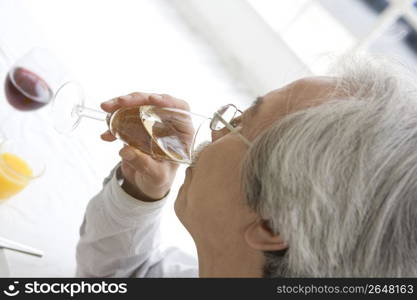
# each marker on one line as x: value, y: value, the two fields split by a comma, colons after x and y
x: 338, y: 181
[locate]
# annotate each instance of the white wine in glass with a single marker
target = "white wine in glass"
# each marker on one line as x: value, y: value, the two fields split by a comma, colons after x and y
x: 162, y: 132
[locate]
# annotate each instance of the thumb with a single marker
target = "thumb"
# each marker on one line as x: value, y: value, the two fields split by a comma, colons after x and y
x: 137, y: 159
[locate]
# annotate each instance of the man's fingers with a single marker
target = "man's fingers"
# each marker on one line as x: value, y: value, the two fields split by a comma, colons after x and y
x: 137, y: 159
x: 142, y: 162
x: 133, y: 99
x: 109, y: 106
x: 174, y: 102
x: 128, y: 171
x: 108, y: 137
x: 130, y: 100
x: 138, y: 99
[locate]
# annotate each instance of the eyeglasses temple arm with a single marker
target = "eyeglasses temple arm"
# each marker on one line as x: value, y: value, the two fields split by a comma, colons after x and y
x: 233, y: 129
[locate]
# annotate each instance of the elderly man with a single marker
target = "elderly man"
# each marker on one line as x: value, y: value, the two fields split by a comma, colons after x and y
x: 318, y: 178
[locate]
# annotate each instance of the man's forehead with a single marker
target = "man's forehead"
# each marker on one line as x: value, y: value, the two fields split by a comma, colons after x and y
x: 297, y: 95
x: 303, y: 90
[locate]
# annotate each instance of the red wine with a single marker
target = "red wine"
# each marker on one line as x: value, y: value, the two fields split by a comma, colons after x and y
x: 26, y: 91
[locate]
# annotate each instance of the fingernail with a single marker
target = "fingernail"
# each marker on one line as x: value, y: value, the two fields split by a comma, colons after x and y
x: 156, y: 96
x: 126, y: 97
x: 109, y: 101
x: 105, y: 133
x: 128, y: 154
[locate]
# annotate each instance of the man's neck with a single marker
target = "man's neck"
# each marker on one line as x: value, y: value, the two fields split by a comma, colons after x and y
x: 224, y: 264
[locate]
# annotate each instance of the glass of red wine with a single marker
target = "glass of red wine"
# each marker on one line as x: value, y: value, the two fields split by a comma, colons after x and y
x: 37, y: 79
x: 32, y: 80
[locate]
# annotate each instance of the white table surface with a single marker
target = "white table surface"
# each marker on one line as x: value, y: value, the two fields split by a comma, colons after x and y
x: 113, y: 48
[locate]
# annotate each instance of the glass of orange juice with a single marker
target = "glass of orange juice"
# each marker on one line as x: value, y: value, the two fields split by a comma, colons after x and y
x: 19, y: 165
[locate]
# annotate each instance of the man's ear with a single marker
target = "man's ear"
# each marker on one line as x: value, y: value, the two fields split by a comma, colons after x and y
x: 260, y: 237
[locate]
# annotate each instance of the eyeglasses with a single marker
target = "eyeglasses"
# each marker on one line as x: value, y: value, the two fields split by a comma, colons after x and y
x: 175, y: 133
x: 225, y: 118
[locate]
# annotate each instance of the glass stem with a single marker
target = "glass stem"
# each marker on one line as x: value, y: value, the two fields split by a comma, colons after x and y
x: 82, y: 111
x: 3, y: 53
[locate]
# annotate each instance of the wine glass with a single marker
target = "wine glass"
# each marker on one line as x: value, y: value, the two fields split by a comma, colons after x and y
x: 162, y: 132
x: 32, y: 80
x: 38, y: 79
x: 4, y: 60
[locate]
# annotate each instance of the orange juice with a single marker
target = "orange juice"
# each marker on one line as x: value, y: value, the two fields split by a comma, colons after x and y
x: 15, y: 174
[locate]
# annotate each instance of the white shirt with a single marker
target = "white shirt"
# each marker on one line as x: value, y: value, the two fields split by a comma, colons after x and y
x: 120, y: 236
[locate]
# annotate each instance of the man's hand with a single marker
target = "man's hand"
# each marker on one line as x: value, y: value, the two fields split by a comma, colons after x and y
x: 146, y: 179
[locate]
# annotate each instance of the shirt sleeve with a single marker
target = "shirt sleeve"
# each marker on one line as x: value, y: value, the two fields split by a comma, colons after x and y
x: 120, y: 235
